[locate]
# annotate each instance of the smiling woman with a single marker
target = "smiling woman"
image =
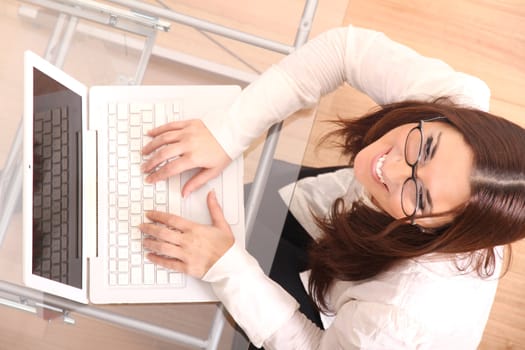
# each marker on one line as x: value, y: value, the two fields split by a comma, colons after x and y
x: 404, y: 244
x: 462, y: 219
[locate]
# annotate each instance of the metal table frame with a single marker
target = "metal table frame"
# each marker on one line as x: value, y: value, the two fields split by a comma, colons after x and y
x: 145, y: 20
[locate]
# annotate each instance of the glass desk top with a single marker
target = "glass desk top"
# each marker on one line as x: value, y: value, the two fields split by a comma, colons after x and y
x: 101, y: 55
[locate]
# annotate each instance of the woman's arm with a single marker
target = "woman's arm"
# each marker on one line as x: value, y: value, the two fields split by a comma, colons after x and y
x: 367, y: 60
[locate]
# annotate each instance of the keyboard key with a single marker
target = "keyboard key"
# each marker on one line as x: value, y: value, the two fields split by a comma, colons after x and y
x: 123, y: 253
x: 160, y: 119
x: 123, y: 201
x: 135, y: 220
x: 136, y: 275
x: 122, y: 265
x: 149, y: 274
x: 123, y: 163
x: 122, y: 151
x: 160, y: 198
x: 123, y: 227
x: 136, y: 259
x: 162, y: 277
x: 135, y: 108
x: 123, y: 176
x: 134, y: 170
x: 135, y: 208
x: 176, y: 278
x: 122, y: 138
x: 112, y: 134
x: 122, y: 111
x: 122, y: 126
x: 123, y: 189
x: 147, y: 116
x: 136, y: 183
x: 136, y: 246
x: 148, y: 204
x: 123, y: 241
x: 148, y: 191
x: 161, y: 186
x: 112, y: 109
x: 135, y: 234
x: 135, y: 157
x: 112, y: 279
x: 123, y: 279
x: 134, y: 119
x: 135, y: 195
x: 112, y: 265
x: 135, y: 145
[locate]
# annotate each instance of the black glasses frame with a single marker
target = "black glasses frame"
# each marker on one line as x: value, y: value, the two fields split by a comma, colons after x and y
x: 413, y: 177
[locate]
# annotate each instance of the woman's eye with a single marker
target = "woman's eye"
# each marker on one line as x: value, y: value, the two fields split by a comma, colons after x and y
x: 427, y: 147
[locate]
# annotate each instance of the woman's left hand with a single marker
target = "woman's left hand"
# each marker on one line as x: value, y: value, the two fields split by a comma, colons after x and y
x: 186, y: 246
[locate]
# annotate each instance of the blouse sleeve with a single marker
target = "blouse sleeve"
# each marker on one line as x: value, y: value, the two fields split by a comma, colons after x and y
x: 270, y: 316
x: 365, y: 59
x: 258, y: 305
x: 358, y: 325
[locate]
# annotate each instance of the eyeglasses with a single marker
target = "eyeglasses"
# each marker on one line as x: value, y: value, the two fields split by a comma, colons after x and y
x: 412, y: 190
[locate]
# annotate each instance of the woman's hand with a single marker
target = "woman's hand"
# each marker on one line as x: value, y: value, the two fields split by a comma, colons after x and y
x: 186, y: 246
x: 184, y: 145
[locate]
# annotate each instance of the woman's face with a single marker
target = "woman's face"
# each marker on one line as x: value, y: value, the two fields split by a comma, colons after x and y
x: 444, y: 170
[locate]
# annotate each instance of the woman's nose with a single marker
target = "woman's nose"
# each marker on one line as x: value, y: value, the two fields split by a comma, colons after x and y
x: 397, y: 170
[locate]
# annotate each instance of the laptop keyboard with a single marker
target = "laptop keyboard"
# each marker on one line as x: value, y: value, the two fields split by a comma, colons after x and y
x: 129, y: 196
x: 50, y: 197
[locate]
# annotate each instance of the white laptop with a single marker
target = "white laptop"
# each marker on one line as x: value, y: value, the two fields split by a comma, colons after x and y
x: 84, y: 193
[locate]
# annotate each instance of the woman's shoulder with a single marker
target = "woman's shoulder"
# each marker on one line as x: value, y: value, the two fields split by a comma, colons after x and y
x: 419, y: 299
x: 416, y: 282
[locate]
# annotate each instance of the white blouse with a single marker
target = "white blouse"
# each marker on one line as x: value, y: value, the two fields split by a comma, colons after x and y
x: 424, y: 303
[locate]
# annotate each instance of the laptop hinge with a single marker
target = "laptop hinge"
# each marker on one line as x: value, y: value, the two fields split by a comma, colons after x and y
x: 89, y: 201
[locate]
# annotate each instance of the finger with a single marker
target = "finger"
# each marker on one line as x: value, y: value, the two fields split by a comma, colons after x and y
x: 163, y: 248
x: 173, y: 167
x: 170, y: 220
x: 169, y: 263
x: 175, y: 125
x: 161, y: 140
x: 170, y: 152
x: 161, y: 232
x: 197, y: 180
x: 217, y: 216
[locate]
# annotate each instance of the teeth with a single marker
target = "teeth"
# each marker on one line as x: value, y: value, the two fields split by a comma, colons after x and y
x: 379, y: 168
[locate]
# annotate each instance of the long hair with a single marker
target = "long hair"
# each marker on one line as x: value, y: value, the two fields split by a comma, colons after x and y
x: 360, y: 242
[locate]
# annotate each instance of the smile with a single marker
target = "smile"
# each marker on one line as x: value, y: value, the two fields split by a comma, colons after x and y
x: 379, y: 168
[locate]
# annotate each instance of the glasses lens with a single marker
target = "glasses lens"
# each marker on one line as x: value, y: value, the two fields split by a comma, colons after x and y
x: 413, y: 146
x: 409, y: 197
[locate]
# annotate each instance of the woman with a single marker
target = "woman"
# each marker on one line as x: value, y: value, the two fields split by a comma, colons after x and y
x: 408, y: 238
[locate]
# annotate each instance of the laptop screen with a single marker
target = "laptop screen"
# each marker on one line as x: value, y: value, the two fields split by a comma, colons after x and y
x: 57, y: 137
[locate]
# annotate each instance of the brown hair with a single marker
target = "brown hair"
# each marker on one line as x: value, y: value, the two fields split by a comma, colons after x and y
x: 360, y: 242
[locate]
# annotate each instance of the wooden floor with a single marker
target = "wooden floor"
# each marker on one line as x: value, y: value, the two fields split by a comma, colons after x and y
x: 485, y: 38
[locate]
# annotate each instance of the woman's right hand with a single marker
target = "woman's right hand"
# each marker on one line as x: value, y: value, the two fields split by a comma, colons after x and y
x: 184, y: 145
